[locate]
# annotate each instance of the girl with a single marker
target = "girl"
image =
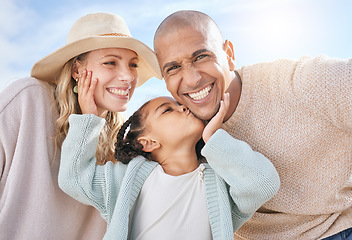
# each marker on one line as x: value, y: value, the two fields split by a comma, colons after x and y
x: 35, y: 110
x: 167, y: 193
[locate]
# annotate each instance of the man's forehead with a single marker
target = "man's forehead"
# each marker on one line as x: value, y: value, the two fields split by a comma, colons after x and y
x: 184, y: 40
x: 177, y: 34
x: 184, y: 49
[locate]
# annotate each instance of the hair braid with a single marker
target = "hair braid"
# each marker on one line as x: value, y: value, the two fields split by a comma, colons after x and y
x: 128, y: 147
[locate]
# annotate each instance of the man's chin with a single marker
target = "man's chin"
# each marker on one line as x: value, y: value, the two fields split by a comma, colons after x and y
x: 204, y: 116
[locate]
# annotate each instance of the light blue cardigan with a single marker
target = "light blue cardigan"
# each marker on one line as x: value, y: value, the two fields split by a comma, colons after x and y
x: 237, y: 180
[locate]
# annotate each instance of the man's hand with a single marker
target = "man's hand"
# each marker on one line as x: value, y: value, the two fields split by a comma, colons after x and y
x: 86, y: 88
x: 216, y: 122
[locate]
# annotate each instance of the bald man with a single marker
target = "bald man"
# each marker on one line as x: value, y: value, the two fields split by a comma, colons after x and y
x: 297, y: 113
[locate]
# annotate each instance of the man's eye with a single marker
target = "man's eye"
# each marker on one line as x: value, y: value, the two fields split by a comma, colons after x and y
x: 171, y: 69
x: 134, y: 65
x: 200, y: 57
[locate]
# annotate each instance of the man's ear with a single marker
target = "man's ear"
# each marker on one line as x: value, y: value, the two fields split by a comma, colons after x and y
x: 148, y: 144
x: 228, y: 48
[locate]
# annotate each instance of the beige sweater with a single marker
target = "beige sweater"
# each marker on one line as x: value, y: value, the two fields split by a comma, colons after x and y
x: 299, y: 115
x: 31, y: 204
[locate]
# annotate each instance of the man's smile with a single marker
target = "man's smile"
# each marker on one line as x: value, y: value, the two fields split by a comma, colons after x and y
x: 201, y: 94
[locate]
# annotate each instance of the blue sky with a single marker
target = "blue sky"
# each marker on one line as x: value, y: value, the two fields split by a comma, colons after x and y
x: 261, y: 30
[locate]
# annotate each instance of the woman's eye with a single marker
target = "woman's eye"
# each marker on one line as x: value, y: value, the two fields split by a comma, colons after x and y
x: 110, y: 63
x: 134, y: 65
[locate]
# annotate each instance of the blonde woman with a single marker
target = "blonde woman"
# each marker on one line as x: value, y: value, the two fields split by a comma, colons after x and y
x: 100, y: 66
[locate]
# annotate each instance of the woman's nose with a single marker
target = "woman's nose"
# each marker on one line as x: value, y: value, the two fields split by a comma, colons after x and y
x: 125, y: 74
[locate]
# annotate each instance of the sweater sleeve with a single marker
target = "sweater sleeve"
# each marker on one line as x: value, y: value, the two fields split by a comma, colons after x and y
x: 252, y: 178
x: 79, y: 176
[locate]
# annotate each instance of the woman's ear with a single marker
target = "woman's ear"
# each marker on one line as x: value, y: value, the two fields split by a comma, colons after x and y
x: 148, y: 144
x: 75, y: 69
x: 228, y: 48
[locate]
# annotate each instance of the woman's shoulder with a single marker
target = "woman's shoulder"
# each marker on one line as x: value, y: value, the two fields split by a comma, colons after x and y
x: 25, y: 88
x: 24, y: 83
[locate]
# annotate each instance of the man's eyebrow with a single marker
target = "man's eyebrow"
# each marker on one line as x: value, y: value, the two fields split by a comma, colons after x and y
x: 169, y: 64
x: 196, y: 53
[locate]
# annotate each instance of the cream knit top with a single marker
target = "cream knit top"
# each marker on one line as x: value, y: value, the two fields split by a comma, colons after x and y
x: 32, y: 206
x: 299, y: 115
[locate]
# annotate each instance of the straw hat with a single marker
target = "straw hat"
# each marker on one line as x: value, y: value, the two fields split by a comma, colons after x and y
x: 96, y: 31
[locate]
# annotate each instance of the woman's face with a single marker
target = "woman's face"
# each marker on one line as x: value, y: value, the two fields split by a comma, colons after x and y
x: 116, y: 72
x: 171, y: 123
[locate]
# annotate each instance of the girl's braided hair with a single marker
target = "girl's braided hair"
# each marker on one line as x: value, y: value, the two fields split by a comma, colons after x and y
x: 127, y: 147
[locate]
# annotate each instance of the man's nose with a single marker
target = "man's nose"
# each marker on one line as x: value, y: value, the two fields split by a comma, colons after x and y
x: 191, y: 76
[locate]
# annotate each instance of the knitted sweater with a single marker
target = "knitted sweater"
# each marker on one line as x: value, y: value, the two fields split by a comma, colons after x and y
x: 243, y: 179
x: 299, y: 115
x: 32, y: 206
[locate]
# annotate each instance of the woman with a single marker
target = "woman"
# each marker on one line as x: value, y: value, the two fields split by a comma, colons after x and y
x: 34, y: 121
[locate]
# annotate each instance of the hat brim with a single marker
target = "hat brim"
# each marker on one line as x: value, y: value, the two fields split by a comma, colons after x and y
x: 50, y: 67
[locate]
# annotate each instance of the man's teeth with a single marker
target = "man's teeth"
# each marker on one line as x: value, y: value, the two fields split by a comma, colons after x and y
x: 201, y: 94
x: 119, y: 92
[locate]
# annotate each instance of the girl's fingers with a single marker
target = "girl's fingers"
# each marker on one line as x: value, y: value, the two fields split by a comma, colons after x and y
x: 224, y: 106
x: 216, y: 122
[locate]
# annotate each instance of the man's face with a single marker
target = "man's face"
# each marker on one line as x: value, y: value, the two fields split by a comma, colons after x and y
x: 195, y: 68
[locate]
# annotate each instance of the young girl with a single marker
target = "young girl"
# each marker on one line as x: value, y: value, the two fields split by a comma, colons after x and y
x: 167, y: 193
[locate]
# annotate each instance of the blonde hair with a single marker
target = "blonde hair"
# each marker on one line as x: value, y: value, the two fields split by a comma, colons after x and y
x: 67, y: 102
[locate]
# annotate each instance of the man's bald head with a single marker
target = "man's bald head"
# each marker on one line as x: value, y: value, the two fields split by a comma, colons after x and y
x: 188, y: 18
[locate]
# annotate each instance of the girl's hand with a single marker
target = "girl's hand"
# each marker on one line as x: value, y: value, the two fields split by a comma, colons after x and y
x: 86, y: 88
x: 216, y: 122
